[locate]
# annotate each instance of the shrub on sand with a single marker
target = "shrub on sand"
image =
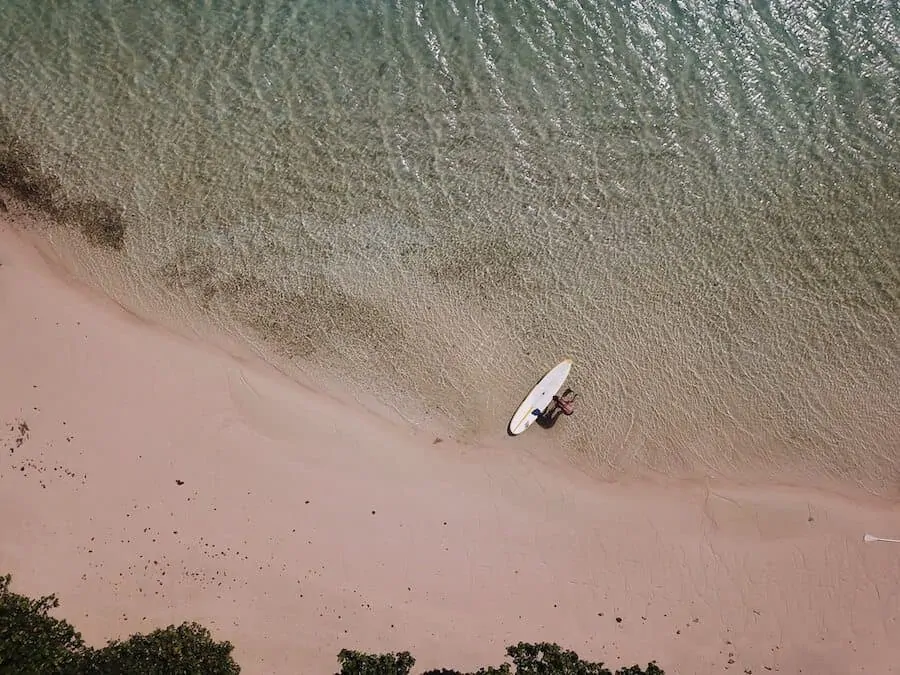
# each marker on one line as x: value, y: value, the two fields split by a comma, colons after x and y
x: 541, y: 658
x: 34, y: 643
x: 175, y: 650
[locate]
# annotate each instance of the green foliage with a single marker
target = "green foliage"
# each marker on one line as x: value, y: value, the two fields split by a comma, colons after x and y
x: 652, y: 669
x: 542, y: 658
x: 358, y: 663
x: 32, y: 641
x: 550, y: 659
x: 177, y: 650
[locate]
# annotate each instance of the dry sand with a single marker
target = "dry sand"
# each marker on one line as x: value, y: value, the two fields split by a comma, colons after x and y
x: 161, y: 479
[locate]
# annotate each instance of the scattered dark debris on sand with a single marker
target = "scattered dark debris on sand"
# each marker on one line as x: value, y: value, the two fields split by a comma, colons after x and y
x: 23, y: 432
x: 36, y: 463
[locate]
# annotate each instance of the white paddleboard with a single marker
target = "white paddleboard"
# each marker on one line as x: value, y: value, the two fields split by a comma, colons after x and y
x: 539, y: 397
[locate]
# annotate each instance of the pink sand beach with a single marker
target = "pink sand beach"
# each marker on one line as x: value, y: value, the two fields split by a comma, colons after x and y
x: 149, y: 477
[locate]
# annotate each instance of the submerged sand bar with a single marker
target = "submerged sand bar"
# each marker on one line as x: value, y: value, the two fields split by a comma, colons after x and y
x: 149, y: 478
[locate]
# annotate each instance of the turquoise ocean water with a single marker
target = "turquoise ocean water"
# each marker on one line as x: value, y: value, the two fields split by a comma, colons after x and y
x: 698, y: 202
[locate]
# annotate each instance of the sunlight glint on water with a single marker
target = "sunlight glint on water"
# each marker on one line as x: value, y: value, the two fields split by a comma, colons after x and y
x: 698, y: 204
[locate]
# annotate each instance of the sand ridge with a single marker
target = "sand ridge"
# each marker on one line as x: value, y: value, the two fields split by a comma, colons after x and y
x: 148, y: 478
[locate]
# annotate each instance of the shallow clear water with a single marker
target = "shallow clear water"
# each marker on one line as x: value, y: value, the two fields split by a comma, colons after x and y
x: 698, y: 202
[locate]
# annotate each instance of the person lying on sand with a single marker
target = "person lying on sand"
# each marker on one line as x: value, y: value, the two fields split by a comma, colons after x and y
x: 561, y: 405
x: 565, y: 405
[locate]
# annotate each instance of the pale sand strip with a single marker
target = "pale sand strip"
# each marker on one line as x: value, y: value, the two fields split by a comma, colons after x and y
x: 271, y: 540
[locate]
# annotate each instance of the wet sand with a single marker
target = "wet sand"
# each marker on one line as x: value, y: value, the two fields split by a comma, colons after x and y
x: 148, y: 477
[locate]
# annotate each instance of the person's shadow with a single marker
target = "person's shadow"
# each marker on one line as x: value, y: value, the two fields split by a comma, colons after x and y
x: 548, y: 419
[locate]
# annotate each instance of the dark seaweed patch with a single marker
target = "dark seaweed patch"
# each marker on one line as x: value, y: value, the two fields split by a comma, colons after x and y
x: 20, y: 171
x: 100, y: 222
x: 22, y: 176
x: 300, y: 323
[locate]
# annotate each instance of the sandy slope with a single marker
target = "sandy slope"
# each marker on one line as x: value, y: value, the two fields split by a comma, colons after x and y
x: 161, y: 479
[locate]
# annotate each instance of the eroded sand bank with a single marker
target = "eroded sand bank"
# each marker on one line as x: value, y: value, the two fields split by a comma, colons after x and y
x: 149, y: 478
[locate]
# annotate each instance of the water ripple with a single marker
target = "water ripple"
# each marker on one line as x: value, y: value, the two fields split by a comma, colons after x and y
x: 697, y: 201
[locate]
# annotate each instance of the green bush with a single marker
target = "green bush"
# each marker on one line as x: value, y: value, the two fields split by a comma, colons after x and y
x: 31, y: 641
x: 177, y: 650
x: 359, y: 663
x: 541, y: 658
x: 34, y: 643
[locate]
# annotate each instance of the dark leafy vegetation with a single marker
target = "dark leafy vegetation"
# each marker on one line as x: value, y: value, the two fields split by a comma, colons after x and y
x: 32, y: 642
x: 527, y: 659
